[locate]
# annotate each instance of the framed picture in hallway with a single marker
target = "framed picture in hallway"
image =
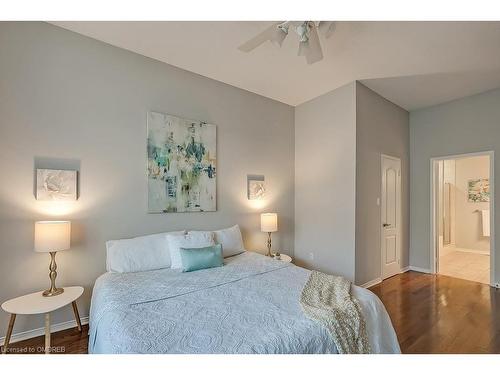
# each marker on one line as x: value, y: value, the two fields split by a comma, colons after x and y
x: 478, y: 190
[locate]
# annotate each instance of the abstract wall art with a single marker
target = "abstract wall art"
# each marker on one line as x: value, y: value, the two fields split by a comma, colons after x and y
x: 181, y: 164
x: 55, y: 184
x: 478, y: 190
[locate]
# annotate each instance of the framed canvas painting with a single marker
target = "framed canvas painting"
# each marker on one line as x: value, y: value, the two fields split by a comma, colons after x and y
x: 256, y: 187
x: 478, y: 190
x: 56, y: 185
x: 181, y: 168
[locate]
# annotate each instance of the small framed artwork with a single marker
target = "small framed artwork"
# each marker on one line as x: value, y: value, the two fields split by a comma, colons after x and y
x: 478, y: 190
x: 256, y: 188
x: 55, y: 185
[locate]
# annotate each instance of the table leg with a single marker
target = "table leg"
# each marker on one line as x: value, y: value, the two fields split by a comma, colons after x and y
x: 77, y: 316
x: 9, y: 333
x: 47, y: 333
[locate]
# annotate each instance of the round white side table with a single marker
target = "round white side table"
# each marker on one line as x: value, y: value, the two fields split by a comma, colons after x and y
x: 284, y: 258
x: 35, y: 303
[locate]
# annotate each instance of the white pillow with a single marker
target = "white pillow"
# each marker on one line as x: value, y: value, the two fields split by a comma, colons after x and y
x: 142, y: 253
x: 192, y: 240
x: 231, y: 241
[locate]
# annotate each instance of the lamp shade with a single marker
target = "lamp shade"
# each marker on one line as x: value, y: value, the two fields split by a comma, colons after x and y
x: 52, y: 236
x: 269, y: 222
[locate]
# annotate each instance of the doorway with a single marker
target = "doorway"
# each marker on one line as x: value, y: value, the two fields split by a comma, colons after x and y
x: 462, y: 207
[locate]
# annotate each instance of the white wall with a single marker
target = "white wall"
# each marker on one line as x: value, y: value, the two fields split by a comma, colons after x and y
x: 468, y: 218
x: 71, y: 101
x: 449, y: 177
x: 462, y: 126
x: 325, y: 182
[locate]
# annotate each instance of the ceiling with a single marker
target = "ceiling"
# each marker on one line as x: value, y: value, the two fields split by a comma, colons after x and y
x: 413, y: 64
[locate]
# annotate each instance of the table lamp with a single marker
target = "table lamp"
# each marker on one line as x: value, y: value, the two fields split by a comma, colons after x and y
x: 269, y: 224
x: 50, y: 237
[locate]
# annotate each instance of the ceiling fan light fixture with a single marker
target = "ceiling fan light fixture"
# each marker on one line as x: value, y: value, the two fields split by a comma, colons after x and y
x: 309, y: 43
x: 302, y: 31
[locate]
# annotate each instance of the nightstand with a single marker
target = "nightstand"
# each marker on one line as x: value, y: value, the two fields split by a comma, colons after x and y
x: 284, y: 258
x: 35, y: 303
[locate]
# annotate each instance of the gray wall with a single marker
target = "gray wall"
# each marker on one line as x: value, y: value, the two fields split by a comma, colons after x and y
x: 70, y: 101
x: 466, y: 125
x: 381, y: 128
x: 325, y: 178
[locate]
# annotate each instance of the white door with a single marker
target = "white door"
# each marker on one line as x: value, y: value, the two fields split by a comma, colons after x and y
x: 391, y: 216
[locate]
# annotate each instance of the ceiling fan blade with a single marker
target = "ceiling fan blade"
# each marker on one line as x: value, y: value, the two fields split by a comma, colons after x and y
x: 279, y: 36
x: 272, y: 33
x: 327, y: 28
x: 312, y: 48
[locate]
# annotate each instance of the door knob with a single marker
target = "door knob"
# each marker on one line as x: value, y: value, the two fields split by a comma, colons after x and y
x: 386, y: 225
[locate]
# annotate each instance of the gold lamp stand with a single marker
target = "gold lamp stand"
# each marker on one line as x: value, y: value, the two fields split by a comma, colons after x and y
x: 269, y: 224
x: 269, y: 244
x: 53, y: 291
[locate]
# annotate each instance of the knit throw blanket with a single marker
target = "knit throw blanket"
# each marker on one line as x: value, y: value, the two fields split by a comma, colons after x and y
x: 327, y: 299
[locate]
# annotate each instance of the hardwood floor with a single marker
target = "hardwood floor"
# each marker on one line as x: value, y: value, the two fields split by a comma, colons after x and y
x: 442, y: 314
x: 431, y: 314
x: 69, y: 341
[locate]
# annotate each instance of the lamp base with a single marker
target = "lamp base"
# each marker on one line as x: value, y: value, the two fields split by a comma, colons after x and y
x: 52, y: 292
x: 269, y: 253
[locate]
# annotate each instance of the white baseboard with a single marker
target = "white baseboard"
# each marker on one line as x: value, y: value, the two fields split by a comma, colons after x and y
x: 371, y: 283
x: 378, y: 280
x: 20, y: 336
x: 419, y: 269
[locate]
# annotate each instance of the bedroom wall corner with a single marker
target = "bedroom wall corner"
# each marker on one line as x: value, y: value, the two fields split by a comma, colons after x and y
x: 382, y: 127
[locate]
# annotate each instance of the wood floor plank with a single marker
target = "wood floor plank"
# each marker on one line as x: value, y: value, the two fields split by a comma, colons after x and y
x: 69, y: 341
x: 441, y: 314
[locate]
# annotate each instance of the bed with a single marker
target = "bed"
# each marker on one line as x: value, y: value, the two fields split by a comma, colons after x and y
x: 250, y: 305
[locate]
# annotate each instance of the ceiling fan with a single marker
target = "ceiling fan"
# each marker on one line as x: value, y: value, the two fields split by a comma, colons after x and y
x: 309, y: 44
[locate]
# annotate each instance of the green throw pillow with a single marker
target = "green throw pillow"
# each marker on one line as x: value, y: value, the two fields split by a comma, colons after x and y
x: 201, y: 258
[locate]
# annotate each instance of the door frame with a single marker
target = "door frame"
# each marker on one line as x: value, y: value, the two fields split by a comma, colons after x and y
x: 434, y: 237
x: 399, y: 214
